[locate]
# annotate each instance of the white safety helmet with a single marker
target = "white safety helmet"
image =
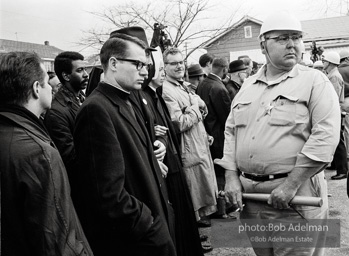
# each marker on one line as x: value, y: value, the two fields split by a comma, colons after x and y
x: 318, y: 64
x: 331, y: 57
x: 344, y: 54
x: 280, y: 21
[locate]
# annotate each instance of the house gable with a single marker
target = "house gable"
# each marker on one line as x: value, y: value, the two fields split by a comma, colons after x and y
x: 243, y: 36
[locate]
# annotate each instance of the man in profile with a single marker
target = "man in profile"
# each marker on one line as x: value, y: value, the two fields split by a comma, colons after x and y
x: 205, y: 62
x: 37, y: 214
x: 121, y: 197
x: 70, y: 69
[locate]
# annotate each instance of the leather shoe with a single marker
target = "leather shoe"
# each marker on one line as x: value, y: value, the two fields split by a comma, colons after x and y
x: 204, y: 223
x: 339, y: 177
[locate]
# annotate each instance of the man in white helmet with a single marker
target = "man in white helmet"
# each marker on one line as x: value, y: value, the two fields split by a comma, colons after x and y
x: 282, y: 131
x: 343, y: 69
x: 331, y: 62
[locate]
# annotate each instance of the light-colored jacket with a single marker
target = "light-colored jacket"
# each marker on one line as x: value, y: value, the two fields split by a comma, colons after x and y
x: 196, y: 157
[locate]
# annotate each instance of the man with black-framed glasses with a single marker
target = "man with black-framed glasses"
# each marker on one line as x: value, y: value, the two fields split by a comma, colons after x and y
x: 122, y: 196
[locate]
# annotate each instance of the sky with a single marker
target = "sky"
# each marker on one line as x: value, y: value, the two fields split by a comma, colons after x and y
x: 62, y: 22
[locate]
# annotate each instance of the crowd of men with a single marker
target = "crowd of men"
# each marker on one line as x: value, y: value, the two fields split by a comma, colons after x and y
x: 143, y: 161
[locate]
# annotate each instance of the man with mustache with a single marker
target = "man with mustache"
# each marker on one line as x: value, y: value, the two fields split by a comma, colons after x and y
x: 60, y: 119
x: 187, y: 112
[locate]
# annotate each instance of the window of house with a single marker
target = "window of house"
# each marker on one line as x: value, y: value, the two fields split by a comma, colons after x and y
x: 248, y: 31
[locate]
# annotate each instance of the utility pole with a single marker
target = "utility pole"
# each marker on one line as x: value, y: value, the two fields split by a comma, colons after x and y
x: 186, y: 52
x: 16, y: 37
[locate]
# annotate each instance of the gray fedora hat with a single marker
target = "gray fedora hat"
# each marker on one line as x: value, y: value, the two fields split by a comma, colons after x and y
x: 195, y: 70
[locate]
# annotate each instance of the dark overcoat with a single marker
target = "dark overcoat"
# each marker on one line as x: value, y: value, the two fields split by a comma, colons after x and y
x: 122, y: 198
x: 213, y: 92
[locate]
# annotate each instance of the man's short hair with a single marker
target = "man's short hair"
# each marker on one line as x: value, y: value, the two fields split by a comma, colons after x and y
x: 51, y: 74
x: 63, y: 63
x: 170, y: 51
x: 18, y: 72
x: 220, y: 63
x: 205, y: 58
x: 117, y: 46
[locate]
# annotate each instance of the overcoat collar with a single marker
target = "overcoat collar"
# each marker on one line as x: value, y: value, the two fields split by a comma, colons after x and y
x: 120, y: 98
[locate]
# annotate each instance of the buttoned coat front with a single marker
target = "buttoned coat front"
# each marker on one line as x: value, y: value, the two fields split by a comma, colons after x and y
x: 122, y: 200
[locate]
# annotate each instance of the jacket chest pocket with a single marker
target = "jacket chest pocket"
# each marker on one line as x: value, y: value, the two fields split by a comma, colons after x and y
x: 287, y: 111
x: 241, y: 113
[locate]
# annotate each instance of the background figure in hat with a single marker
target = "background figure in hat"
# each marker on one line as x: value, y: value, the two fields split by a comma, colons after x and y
x: 331, y: 62
x: 343, y: 69
x: 196, y: 76
x: 122, y: 196
x: 280, y: 135
x: 213, y: 92
x: 237, y: 73
x: 150, y: 104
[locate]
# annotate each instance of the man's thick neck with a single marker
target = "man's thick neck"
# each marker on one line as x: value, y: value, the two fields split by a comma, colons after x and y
x: 330, y: 68
x: 34, y: 107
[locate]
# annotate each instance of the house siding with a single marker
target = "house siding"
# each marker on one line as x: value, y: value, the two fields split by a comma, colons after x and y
x: 235, y: 41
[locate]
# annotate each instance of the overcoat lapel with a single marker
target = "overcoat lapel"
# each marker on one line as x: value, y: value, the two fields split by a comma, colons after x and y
x: 112, y: 94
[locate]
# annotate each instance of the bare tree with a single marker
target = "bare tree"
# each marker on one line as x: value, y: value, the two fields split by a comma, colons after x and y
x: 323, y: 8
x: 186, y: 21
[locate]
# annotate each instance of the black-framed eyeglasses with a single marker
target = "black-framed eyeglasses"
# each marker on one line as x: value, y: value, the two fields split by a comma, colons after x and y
x: 139, y: 64
x: 175, y: 63
x: 284, y: 39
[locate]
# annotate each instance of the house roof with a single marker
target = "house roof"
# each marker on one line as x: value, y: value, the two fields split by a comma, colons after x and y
x: 327, y: 28
x: 324, y: 29
x: 43, y: 50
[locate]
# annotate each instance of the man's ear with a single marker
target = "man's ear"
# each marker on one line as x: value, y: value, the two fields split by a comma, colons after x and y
x: 35, y: 89
x: 262, y: 47
x: 66, y: 76
x: 112, y: 63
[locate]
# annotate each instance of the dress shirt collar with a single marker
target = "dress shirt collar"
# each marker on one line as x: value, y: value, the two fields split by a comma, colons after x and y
x: 216, y: 76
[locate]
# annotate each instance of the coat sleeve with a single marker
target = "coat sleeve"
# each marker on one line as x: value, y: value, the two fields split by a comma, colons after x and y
x: 51, y: 225
x: 183, y: 117
x: 60, y: 132
x: 102, y: 175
